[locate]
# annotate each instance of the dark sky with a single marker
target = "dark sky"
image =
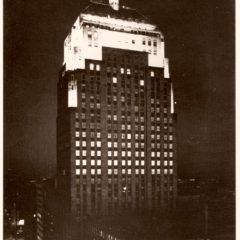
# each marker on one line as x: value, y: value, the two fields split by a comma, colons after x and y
x: 199, y: 39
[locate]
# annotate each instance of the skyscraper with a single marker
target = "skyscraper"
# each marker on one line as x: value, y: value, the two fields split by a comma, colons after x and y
x: 116, y: 126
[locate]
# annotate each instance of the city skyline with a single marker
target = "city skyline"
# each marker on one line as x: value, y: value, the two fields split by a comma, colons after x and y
x: 31, y: 139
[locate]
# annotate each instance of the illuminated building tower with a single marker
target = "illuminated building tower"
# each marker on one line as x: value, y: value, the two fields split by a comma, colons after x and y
x: 116, y: 144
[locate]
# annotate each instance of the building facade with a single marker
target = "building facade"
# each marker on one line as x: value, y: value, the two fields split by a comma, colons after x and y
x: 116, y: 126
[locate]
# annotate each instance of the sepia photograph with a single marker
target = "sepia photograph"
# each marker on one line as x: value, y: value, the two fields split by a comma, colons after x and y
x: 119, y: 120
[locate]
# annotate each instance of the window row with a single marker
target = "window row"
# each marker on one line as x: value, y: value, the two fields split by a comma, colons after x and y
x: 158, y: 171
x: 124, y: 171
x: 84, y: 171
x: 126, y: 163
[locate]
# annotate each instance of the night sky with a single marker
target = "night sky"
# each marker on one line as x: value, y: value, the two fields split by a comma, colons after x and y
x: 199, y: 37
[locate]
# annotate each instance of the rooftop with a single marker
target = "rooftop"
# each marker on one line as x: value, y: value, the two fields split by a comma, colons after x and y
x: 106, y: 10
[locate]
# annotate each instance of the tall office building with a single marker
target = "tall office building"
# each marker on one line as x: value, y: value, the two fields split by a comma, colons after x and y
x: 116, y: 139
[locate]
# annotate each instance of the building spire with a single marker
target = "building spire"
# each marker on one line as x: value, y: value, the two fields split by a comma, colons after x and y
x: 114, y: 4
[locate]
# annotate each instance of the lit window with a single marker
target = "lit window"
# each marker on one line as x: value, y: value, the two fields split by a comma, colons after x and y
x: 91, y: 66
x: 84, y: 153
x: 165, y: 154
x: 122, y: 70
x: 109, y: 162
x: 142, y: 171
x: 115, y: 171
x: 123, y: 163
x: 158, y: 154
x: 129, y: 144
x: 158, y: 136
x: 141, y: 82
x: 92, y: 171
x: 142, y: 154
x: 99, y: 162
x: 142, y: 136
x: 137, y: 154
x: 170, y: 146
x: 129, y: 171
x: 158, y: 171
x: 170, y: 137
x: 115, y: 117
x: 128, y: 71
x: 115, y: 144
x: 123, y: 171
x: 153, y: 154
x: 129, y: 163
x: 109, y: 153
x: 170, y: 154
x: 109, y: 171
x: 77, y: 153
x: 77, y: 162
x: 152, y: 74
x: 77, y: 134
x: 137, y: 171
x: 129, y: 136
x: 77, y: 143
x: 170, y: 171
x: 137, y: 163
x: 165, y: 171
x: 153, y: 163
x: 98, y: 135
x: 92, y: 162
x: 153, y: 171
x: 98, y: 144
x: 109, y: 144
x: 123, y: 153
x: 114, y: 79
x: 77, y: 171
x: 170, y: 163
x: 84, y: 162
x: 89, y: 33
x: 129, y: 154
x: 83, y: 134
x: 99, y: 171
x: 92, y: 144
x: 165, y: 163
x: 158, y: 163
x: 98, y: 67
x: 92, y: 153
x: 115, y: 162
x: 84, y: 171
x: 98, y: 153
x: 142, y: 163
x: 115, y: 153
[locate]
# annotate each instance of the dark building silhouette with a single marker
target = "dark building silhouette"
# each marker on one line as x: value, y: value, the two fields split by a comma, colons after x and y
x: 45, y: 209
x: 116, y: 126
